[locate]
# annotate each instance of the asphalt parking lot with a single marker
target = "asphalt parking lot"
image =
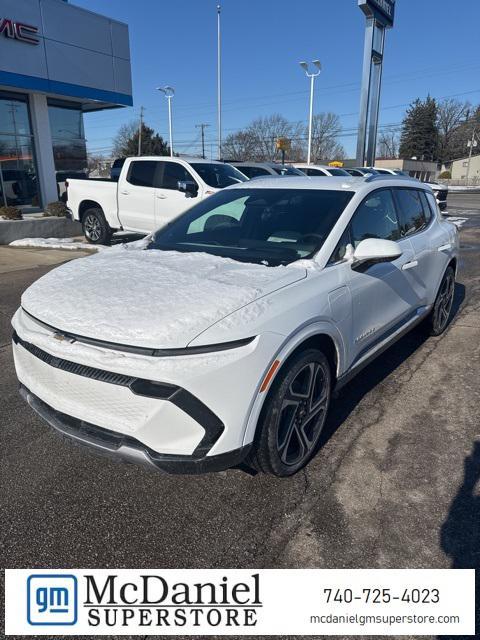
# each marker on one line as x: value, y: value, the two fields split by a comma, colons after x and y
x: 396, y: 483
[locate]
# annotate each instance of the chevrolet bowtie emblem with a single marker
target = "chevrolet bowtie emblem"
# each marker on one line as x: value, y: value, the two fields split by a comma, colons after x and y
x: 61, y: 338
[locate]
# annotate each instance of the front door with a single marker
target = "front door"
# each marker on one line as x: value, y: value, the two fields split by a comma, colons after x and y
x: 382, y: 294
x: 136, y: 196
x: 169, y: 201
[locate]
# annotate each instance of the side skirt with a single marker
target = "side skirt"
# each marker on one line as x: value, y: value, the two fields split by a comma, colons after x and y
x: 378, y: 349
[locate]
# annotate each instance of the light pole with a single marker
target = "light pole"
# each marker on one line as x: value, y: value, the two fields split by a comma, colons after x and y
x: 312, y: 77
x: 219, y: 84
x: 169, y: 93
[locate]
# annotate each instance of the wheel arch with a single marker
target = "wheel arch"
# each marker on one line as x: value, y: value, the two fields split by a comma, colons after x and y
x: 85, y: 205
x: 322, y: 336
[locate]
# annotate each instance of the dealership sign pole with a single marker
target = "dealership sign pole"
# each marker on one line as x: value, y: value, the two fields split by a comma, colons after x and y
x: 379, y: 17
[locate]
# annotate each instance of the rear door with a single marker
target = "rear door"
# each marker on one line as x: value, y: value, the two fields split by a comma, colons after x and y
x: 416, y: 220
x: 136, y: 195
x: 169, y: 201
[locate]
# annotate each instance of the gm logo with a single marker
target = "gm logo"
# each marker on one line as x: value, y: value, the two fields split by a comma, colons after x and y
x: 52, y: 599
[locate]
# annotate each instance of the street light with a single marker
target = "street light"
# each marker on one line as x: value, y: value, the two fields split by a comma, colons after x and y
x: 169, y: 93
x: 312, y: 77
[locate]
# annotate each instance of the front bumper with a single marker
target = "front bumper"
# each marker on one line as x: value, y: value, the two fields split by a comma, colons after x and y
x: 192, y: 407
x: 127, y: 448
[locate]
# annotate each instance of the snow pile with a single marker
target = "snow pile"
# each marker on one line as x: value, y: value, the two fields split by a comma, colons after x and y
x: 151, y: 298
x: 55, y: 243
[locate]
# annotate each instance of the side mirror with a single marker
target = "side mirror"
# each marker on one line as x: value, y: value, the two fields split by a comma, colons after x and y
x: 374, y: 250
x: 188, y: 187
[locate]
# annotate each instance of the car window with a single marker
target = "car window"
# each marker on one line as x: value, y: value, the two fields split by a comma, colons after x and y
x: 341, y: 248
x: 253, y: 172
x: 337, y: 172
x: 426, y: 207
x: 267, y: 226
x: 288, y: 171
x: 142, y: 173
x: 218, y: 175
x: 354, y: 172
x: 432, y: 201
x: 173, y: 172
x: 314, y: 172
x: 411, y: 213
x: 375, y: 218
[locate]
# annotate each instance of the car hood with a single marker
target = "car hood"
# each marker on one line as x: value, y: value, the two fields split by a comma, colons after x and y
x: 149, y: 298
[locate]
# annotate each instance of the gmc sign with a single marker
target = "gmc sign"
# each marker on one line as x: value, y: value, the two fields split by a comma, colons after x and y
x: 19, y: 31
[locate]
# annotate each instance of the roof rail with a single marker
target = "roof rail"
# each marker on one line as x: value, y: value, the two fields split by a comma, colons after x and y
x: 384, y: 176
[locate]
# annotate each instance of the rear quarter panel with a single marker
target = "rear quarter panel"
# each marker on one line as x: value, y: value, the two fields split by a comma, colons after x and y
x: 102, y: 192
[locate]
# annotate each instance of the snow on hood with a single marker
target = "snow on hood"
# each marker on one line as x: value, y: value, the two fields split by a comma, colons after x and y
x: 155, y: 299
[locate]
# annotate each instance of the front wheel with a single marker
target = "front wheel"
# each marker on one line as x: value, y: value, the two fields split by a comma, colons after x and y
x: 95, y: 227
x: 437, y: 320
x: 294, y: 415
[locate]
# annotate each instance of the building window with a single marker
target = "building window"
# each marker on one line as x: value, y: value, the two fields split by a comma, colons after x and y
x: 68, y: 138
x: 18, y: 174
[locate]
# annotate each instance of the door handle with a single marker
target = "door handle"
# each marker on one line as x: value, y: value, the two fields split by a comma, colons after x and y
x: 445, y: 247
x: 409, y: 265
x: 124, y: 193
x: 161, y: 196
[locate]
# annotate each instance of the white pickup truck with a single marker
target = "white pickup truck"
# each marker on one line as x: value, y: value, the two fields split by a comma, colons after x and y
x: 150, y: 191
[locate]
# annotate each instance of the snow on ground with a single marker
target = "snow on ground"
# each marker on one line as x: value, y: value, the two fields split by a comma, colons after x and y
x: 151, y: 298
x: 459, y: 188
x: 458, y: 222
x: 56, y: 243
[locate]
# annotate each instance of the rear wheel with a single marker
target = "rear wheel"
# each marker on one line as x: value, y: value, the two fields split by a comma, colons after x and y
x: 294, y: 415
x: 437, y: 321
x: 95, y: 227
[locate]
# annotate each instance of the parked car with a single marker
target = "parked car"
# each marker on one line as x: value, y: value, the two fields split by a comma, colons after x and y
x: 440, y: 190
x: 221, y: 337
x: 20, y: 186
x: 320, y: 170
x: 262, y: 169
x: 150, y: 191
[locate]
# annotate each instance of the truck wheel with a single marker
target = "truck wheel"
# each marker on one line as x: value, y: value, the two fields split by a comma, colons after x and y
x: 293, y: 416
x: 95, y: 227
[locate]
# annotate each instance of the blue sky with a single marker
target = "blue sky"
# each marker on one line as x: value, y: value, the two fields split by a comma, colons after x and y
x: 433, y: 48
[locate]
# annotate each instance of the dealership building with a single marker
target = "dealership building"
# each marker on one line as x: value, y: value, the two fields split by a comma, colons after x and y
x: 57, y: 61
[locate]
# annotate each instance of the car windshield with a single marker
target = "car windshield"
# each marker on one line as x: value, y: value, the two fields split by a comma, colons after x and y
x: 265, y: 226
x: 218, y: 175
x: 338, y: 172
x: 288, y: 171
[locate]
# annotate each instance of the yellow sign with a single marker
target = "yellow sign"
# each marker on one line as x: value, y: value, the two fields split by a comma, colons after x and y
x: 335, y: 163
x: 283, y: 144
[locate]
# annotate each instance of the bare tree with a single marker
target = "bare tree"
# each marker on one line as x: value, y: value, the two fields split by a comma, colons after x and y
x: 451, y: 114
x: 124, y: 135
x: 240, y: 145
x: 266, y: 130
x: 258, y: 141
x: 388, y: 144
x: 325, y: 130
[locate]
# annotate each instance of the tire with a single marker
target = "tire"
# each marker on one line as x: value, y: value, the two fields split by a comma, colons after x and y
x: 438, y: 318
x: 292, y: 419
x: 95, y: 227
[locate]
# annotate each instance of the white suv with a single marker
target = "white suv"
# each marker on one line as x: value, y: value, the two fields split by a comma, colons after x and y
x: 221, y: 337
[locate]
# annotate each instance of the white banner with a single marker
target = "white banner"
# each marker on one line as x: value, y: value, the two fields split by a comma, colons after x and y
x: 240, y: 602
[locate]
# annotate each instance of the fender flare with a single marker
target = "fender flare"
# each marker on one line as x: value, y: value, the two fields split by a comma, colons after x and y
x: 291, y: 343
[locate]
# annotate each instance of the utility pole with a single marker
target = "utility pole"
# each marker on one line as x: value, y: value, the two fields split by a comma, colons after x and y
x: 202, y: 127
x: 471, y: 143
x: 140, y: 127
x: 219, y: 84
